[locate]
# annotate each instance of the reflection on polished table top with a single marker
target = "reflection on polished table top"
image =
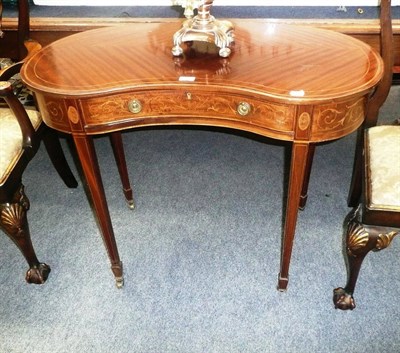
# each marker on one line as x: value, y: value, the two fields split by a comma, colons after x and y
x: 286, y: 82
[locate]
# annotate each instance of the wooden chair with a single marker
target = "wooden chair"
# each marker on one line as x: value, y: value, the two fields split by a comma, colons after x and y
x: 377, y: 100
x: 21, y: 130
x: 375, y: 190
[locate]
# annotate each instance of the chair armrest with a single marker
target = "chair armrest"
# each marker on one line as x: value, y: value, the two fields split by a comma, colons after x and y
x: 10, y: 71
x: 28, y: 132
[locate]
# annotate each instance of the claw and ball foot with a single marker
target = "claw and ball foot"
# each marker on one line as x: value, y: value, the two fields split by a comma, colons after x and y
x: 14, y: 222
x: 343, y: 300
x: 360, y: 240
x: 38, y: 274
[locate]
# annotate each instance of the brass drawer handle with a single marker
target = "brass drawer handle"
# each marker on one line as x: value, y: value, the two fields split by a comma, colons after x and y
x: 134, y: 106
x: 243, y: 108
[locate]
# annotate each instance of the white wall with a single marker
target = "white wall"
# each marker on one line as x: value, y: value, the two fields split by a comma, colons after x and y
x: 216, y: 2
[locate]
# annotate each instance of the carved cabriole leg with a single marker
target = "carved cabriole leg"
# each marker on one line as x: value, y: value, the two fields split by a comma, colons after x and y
x: 360, y: 240
x: 14, y: 222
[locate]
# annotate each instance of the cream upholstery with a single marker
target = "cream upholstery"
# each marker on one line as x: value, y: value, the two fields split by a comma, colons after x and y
x: 384, y: 167
x: 11, y: 139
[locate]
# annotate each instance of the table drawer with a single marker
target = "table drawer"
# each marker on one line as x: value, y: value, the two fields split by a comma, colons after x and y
x: 193, y: 106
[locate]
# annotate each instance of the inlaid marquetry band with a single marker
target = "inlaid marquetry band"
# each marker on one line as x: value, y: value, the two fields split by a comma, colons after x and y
x: 304, y: 121
x: 73, y: 115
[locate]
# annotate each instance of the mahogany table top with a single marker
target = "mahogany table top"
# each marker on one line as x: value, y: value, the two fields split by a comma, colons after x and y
x: 287, y: 63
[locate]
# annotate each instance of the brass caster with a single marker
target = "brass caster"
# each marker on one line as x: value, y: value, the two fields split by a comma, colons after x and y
x: 119, y: 282
x: 282, y: 284
x: 131, y: 204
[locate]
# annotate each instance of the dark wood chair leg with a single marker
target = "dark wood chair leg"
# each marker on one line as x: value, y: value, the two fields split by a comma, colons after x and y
x: 57, y: 157
x: 355, y: 190
x: 304, y: 189
x: 14, y: 222
x: 119, y: 155
x: 360, y: 240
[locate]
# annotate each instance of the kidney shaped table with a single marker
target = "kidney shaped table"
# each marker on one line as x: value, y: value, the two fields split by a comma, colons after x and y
x: 286, y: 82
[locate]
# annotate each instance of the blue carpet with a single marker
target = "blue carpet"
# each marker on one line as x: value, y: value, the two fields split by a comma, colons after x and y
x: 201, y: 255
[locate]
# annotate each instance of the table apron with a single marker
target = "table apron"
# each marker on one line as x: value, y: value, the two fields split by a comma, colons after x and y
x: 94, y: 115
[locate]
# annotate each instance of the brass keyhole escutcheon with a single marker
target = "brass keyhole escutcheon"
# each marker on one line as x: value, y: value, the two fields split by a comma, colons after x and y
x: 134, y: 106
x: 243, y: 108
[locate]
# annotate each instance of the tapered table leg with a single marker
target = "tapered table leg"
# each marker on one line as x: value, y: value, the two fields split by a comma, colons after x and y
x: 119, y: 155
x: 57, y: 157
x: 307, y: 175
x: 300, y: 153
x: 87, y: 156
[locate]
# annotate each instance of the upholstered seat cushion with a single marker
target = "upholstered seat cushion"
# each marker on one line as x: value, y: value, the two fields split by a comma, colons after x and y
x: 383, y: 167
x: 11, y: 139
